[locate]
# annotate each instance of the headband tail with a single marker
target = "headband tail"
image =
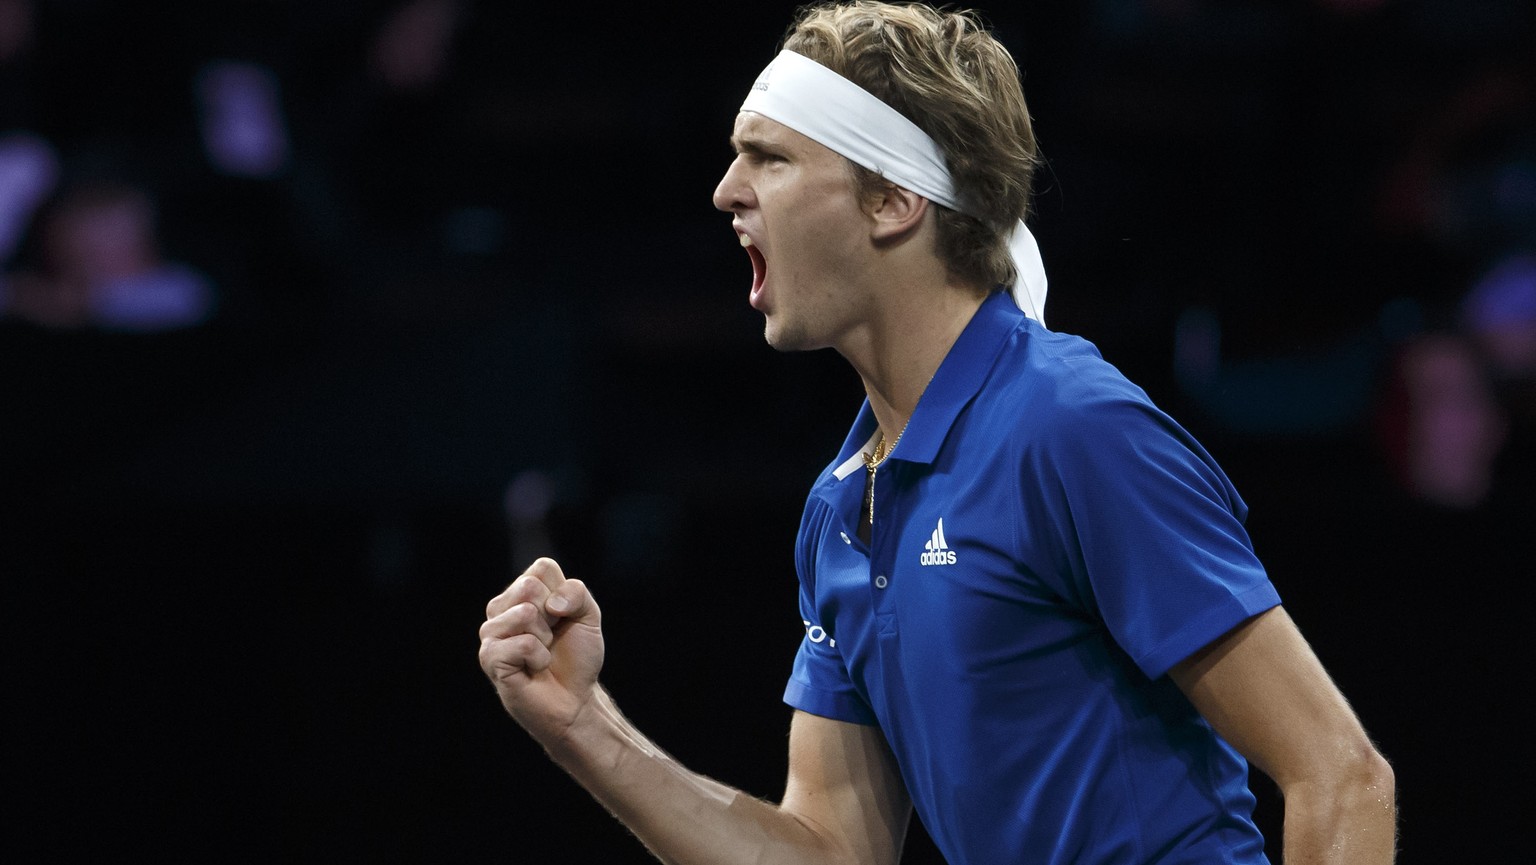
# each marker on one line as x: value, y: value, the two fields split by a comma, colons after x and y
x: 1029, y: 286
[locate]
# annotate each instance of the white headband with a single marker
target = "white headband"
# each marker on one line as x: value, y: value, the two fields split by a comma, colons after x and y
x: 847, y: 119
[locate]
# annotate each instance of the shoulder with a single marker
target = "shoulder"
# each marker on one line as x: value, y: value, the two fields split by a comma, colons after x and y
x: 1057, y: 408
x: 1055, y: 385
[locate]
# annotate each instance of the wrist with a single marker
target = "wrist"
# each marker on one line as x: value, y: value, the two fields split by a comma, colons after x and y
x: 590, y: 732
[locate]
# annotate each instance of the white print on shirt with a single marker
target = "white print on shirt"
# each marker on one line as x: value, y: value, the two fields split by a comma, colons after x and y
x: 816, y: 634
x: 938, y: 551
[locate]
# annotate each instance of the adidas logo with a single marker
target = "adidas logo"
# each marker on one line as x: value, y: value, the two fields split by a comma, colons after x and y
x: 937, y: 550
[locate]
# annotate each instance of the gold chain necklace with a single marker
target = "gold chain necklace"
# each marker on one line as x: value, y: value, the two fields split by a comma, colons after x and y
x: 872, y: 462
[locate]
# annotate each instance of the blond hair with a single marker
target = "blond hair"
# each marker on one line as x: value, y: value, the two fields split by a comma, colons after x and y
x: 946, y: 72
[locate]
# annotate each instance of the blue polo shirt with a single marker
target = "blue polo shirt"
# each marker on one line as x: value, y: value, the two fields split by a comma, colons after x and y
x: 1046, y: 545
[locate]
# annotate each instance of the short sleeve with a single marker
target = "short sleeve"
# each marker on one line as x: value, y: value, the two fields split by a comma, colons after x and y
x: 1152, y: 528
x: 819, y: 682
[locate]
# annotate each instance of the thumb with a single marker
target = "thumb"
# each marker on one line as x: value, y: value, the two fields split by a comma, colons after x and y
x: 571, y: 601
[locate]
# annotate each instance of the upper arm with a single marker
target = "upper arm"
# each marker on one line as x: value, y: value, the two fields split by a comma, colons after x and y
x: 844, y: 785
x: 1263, y: 690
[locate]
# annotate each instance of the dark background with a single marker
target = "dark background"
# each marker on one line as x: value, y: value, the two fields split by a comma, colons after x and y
x: 492, y: 314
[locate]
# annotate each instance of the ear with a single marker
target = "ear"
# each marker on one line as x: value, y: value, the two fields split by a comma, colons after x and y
x: 895, y: 212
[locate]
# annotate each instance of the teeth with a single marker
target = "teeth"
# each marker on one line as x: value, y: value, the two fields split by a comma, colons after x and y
x: 745, y: 240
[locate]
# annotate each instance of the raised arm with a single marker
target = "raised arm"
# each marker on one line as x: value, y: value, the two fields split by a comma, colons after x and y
x: 1262, y: 688
x: 542, y: 648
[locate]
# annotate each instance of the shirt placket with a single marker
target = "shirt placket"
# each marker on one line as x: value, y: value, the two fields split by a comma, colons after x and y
x: 882, y: 554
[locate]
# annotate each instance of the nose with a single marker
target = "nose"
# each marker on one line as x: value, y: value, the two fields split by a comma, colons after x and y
x: 733, y: 191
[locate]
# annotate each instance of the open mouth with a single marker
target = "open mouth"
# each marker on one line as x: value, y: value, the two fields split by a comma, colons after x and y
x: 759, y: 266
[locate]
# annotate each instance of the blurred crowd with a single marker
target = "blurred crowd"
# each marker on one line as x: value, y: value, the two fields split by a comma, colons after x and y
x: 1344, y: 202
x: 1331, y: 203
x: 283, y: 151
x: 231, y: 234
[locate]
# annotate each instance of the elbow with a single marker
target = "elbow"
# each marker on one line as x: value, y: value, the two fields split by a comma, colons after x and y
x: 1349, y: 807
x: 1367, y: 770
x: 1379, y: 779
x: 1355, y: 776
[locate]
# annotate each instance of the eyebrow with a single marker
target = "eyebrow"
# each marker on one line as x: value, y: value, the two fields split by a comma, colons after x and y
x: 748, y: 144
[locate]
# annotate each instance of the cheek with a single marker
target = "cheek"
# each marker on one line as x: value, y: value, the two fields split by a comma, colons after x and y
x: 829, y: 224
x: 815, y: 229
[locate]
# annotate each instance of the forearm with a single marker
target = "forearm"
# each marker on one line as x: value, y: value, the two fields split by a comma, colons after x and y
x: 681, y: 816
x: 1351, y: 823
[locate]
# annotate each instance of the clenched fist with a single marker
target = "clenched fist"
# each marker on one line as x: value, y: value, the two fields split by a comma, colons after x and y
x: 542, y: 647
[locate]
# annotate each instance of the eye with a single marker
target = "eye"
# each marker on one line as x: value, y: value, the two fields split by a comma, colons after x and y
x: 756, y: 155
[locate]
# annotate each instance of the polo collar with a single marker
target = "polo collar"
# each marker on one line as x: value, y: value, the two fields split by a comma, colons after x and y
x: 956, y: 383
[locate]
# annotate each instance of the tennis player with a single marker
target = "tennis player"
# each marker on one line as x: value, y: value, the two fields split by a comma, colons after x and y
x: 1031, y: 609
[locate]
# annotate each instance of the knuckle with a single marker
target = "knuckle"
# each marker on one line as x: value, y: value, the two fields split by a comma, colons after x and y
x: 489, y: 655
x: 519, y: 618
x: 501, y: 657
x: 522, y: 616
x: 524, y: 642
x: 532, y: 655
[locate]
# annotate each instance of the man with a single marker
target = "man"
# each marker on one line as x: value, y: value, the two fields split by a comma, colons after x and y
x: 1028, y: 597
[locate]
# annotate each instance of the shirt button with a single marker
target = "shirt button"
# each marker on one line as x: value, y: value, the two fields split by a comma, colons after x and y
x: 880, y: 581
x: 845, y: 538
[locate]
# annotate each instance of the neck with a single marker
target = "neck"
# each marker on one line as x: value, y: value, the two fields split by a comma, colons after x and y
x: 906, y: 341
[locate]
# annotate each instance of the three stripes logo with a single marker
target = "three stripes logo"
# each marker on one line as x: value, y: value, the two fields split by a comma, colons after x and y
x: 937, y: 551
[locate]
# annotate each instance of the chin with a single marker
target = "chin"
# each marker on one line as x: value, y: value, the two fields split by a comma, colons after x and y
x: 783, y: 338
x: 774, y: 341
